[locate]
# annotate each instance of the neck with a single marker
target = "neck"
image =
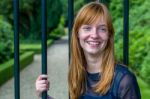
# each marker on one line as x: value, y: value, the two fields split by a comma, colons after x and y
x: 93, y: 63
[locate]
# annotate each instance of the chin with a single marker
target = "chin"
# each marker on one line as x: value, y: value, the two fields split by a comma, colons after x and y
x: 94, y: 52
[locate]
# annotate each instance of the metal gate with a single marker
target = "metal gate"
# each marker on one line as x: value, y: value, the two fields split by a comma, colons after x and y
x: 44, y: 39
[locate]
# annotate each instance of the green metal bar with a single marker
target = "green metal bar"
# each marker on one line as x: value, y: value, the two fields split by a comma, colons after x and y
x: 126, y: 33
x: 44, y: 42
x: 70, y: 20
x: 16, y: 50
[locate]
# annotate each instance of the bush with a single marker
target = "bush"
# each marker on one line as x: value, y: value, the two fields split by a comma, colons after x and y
x: 145, y: 71
x: 6, y: 69
x: 30, y: 16
x: 118, y: 39
x: 116, y: 9
x: 139, y: 46
x: 139, y: 35
x: 59, y: 31
x: 34, y: 47
x: 6, y: 40
x: 139, y: 32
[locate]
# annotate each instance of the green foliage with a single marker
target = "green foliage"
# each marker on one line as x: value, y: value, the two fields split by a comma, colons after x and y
x: 139, y: 34
x: 30, y: 16
x: 32, y: 26
x: 65, y: 9
x: 34, y: 47
x: 144, y: 87
x: 59, y: 31
x: 116, y: 9
x: 54, y: 12
x: 118, y: 39
x: 139, y: 42
x: 77, y: 5
x: 26, y: 5
x: 145, y: 71
x: 6, y: 9
x: 6, y: 40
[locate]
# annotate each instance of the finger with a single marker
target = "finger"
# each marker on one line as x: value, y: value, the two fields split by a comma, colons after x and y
x: 42, y: 77
x: 42, y: 82
x: 41, y: 87
x: 45, y: 86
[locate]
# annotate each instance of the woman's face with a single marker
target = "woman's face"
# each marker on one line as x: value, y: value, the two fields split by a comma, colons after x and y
x: 93, y: 38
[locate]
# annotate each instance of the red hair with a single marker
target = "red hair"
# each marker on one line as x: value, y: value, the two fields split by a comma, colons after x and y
x: 89, y: 14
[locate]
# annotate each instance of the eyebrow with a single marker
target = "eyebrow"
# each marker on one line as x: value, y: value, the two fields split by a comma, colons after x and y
x: 103, y: 25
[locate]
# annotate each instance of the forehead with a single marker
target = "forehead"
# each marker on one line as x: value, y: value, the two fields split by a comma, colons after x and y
x: 97, y: 21
x: 100, y: 21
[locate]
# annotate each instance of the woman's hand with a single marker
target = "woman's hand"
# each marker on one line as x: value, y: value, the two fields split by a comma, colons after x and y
x: 42, y: 84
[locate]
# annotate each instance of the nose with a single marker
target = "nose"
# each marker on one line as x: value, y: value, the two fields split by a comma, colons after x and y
x: 94, y: 34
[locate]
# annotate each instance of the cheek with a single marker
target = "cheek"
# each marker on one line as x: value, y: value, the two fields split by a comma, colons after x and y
x: 104, y: 37
x: 105, y: 40
x: 82, y: 36
x: 79, y: 34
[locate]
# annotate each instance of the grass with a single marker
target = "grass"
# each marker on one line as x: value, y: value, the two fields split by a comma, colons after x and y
x: 145, y: 89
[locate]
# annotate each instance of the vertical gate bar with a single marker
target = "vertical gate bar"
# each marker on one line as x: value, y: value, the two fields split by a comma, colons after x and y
x: 126, y: 33
x: 16, y: 50
x: 70, y: 21
x: 44, y: 42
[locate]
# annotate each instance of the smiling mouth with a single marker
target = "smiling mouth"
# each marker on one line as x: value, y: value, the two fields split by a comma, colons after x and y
x: 93, y: 43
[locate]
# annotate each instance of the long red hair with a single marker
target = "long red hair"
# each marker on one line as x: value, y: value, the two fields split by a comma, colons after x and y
x: 89, y: 14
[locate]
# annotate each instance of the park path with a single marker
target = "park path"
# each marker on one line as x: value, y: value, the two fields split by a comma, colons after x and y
x: 57, y: 71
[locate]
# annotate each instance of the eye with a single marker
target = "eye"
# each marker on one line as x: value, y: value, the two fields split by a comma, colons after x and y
x: 102, y: 29
x: 87, y: 28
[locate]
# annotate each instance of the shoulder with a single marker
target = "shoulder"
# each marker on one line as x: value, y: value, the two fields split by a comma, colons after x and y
x: 124, y: 77
x: 122, y: 70
x: 125, y: 83
x: 123, y: 74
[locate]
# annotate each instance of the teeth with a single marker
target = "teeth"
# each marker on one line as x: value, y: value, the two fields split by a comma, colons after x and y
x: 93, y: 42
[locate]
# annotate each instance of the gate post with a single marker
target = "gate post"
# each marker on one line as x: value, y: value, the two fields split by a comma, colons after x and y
x: 70, y: 20
x: 126, y: 33
x: 44, y: 42
x: 16, y: 50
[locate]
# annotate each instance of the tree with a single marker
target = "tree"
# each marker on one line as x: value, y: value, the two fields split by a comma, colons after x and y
x: 6, y: 40
x: 30, y: 16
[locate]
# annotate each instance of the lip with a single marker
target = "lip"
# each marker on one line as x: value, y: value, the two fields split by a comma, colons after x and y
x: 93, y: 43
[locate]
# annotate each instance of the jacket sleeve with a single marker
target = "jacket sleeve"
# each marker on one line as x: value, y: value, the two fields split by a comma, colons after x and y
x: 128, y: 88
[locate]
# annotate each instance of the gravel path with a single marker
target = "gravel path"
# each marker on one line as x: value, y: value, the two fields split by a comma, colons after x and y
x: 57, y: 70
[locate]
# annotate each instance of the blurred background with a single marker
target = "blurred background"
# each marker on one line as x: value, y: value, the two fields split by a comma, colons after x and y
x: 57, y: 32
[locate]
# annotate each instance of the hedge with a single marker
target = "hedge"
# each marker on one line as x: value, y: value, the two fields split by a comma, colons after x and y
x: 7, y: 69
x: 34, y: 47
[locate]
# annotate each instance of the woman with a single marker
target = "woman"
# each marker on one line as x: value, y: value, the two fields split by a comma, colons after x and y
x: 93, y: 73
